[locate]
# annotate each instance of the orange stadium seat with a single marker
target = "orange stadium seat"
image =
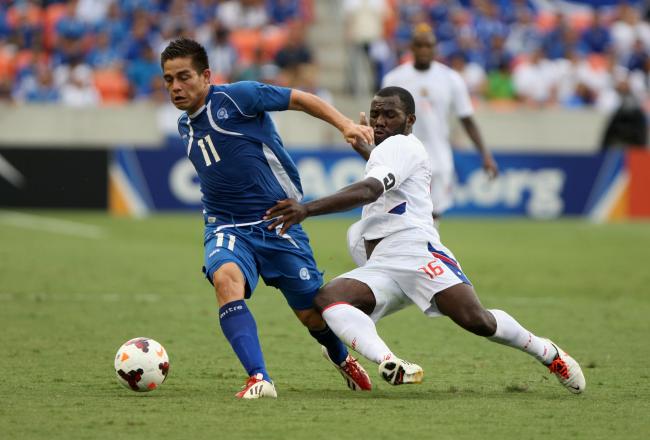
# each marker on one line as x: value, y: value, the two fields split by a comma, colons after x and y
x: 246, y: 42
x: 597, y: 61
x: 7, y: 65
x: 53, y: 14
x: 273, y: 40
x: 34, y: 15
x: 218, y: 79
x: 112, y: 85
x: 545, y: 21
x: 580, y: 20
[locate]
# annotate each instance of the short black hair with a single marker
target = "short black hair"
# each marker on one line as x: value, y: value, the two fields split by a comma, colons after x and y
x: 185, y: 47
x: 408, y: 104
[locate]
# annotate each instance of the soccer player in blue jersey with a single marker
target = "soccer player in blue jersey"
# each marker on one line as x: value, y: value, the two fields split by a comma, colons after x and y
x: 243, y: 170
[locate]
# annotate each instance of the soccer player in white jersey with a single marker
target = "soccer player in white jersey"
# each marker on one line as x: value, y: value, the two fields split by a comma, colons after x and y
x: 401, y: 259
x: 439, y: 94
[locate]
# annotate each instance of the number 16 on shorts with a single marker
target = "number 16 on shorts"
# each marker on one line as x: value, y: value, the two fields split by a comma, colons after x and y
x: 432, y: 269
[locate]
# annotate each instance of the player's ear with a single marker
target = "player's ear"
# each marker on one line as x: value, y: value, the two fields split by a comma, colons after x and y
x: 207, y: 75
x: 410, y: 119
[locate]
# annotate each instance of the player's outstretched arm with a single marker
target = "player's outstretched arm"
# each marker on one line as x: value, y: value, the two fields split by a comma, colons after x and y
x: 290, y: 212
x: 316, y: 107
x: 489, y: 164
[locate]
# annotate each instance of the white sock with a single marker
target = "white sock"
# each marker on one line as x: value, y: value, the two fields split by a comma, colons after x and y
x: 510, y: 332
x: 357, y: 330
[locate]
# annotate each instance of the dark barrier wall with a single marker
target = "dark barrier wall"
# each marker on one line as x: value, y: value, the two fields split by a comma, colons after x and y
x: 54, y: 178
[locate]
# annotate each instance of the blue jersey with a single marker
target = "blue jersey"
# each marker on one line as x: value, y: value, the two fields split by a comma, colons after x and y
x: 238, y: 155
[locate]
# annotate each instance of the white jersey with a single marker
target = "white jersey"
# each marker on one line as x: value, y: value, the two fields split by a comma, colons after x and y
x: 402, y: 165
x: 439, y: 93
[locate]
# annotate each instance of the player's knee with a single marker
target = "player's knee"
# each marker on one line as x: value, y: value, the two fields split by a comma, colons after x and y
x: 228, y: 288
x: 479, y: 321
x: 326, y: 296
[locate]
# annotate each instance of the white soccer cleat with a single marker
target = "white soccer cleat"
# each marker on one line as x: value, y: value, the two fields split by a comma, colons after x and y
x: 567, y: 371
x: 352, y: 371
x: 257, y: 387
x: 397, y: 371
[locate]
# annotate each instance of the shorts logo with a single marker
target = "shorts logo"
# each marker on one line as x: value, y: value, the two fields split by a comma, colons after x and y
x: 222, y: 113
x: 304, y: 274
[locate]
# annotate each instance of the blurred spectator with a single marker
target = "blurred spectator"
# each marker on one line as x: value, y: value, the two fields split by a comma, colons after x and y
x: 78, y: 90
x: 69, y: 27
x: 533, y: 79
x: 524, y: 37
x: 638, y: 56
x: 141, y: 72
x: 114, y: 25
x: 472, y: 73
x: 487, y: 24
x: 627, y: 29
x: 562, y: 40
x: 628, y: 125
x: 257, y: 70
x: 597, y: 38
x: 221, y: 53
x: 39, y: 88
x: 499, y: 85
x: 242, y: 14
x: 496, y: 55
x: 5, y: 91
x: 283, y: 11
x: 141, y: 36
x: 294, y: 56
x: 363, y: 24
x: 103, y: 54
x: 91, y: 12
x: 25, y: 20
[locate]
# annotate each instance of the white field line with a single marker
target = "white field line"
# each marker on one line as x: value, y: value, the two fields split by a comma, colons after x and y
x: 49, y: 224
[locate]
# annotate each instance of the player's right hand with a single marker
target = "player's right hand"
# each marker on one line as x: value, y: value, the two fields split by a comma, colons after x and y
x: 284, y: 214
x: 353, y: 131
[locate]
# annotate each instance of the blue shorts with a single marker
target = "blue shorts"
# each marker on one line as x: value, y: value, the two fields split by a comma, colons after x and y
x: 286, y: 263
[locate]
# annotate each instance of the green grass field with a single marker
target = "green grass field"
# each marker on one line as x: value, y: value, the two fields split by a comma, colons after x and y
x: 68, y: 301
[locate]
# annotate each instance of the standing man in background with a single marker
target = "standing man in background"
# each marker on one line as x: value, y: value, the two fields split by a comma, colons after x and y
x: 439, y: 92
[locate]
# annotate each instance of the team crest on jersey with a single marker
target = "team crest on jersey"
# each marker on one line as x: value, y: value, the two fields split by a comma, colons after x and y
x: 304, y: 274
x: 222, y: 113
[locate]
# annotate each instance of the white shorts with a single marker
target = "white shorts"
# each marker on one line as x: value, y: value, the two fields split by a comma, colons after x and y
x: 442, y: 190
x: 408, y: 268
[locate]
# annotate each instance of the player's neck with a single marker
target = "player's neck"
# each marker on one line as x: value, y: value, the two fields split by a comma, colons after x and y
x: 200, y: 103
x: 422, y: 67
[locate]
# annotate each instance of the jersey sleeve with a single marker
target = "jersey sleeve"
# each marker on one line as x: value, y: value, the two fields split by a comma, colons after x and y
x: 392, y: 162
x: 253, y: 98
x: 460, y: 95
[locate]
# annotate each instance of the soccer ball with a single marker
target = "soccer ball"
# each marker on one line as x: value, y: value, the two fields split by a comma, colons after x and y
x: 141, y: 364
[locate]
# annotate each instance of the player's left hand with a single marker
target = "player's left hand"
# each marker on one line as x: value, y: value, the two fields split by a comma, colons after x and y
x: 490, y: 166
x: 353, y: 131
x: 286, y: 212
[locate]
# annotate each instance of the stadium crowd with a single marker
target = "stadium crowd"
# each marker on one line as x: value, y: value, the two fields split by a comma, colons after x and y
x: 521, y: 51
x: 90, y: 52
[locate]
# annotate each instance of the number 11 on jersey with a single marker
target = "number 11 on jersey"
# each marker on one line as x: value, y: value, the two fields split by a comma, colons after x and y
x: 206, y: 154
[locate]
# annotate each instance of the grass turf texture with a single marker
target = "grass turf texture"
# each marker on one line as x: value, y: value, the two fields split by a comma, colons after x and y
x: 67, y: 303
